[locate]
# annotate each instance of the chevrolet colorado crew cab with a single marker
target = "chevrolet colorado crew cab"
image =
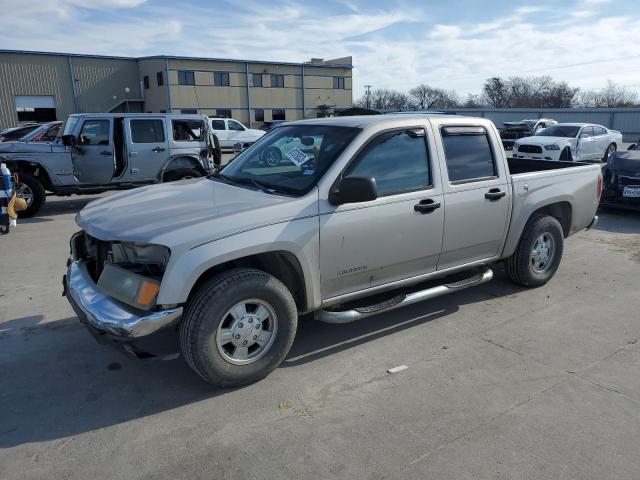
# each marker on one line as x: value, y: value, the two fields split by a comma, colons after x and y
x: 96, y: 152
x: 384, y: 211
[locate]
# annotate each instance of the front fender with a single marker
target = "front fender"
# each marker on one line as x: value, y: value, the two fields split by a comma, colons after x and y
x: 299, y: 238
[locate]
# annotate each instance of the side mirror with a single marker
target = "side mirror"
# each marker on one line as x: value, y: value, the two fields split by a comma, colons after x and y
x: 632, y: 146
x: 69, y: 140
x: 353, y: 190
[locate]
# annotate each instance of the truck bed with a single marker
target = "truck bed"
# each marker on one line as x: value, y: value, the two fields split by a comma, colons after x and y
x: 520, y: 165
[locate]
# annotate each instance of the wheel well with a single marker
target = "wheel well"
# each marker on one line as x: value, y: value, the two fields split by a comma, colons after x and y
x: 561, y: 211
x: 282, y: 265
x: 180, y: 163
x: 33, y: 169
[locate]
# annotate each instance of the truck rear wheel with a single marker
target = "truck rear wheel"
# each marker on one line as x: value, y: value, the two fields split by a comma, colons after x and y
x: 32, y: 191
x: 238, y: 327
x: 538, y: 254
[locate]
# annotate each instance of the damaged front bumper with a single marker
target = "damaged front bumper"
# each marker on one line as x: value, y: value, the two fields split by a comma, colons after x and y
x: 108, y: 314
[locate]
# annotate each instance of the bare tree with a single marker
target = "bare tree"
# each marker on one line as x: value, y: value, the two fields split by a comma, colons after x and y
x: 496, y: 92
x: 611, y: 96
x: 473, y: 101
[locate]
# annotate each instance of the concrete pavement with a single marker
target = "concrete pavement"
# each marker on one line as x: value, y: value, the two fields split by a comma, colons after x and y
x: 503, y: 382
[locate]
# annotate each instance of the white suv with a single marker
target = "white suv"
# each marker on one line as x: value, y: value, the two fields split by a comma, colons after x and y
x: 230, y: 132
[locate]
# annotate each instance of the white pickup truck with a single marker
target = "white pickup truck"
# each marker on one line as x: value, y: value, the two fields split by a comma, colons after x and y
x: 362, y: 215
x: 230, y: 132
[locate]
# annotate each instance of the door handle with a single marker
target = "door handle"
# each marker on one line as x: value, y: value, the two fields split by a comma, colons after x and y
x: 494, y: 194
x: 427, y: 205
x: 106, y: 153
x: 157, y: 149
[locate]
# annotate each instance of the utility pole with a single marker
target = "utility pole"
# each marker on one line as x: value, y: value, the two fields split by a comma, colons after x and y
x: 368, y: 87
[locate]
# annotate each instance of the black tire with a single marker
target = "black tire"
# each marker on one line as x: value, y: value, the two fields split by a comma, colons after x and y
x: 520, y: 266
x: 610, y: 149
x: 272, y: 156
x: 566, y: 156
x: 181, y: 174
x: 206, y: 312
x: 36, y: 189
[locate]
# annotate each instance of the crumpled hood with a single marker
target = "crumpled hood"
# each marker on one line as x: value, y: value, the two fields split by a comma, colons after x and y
x: 188, y: 212
x: 27, y: 147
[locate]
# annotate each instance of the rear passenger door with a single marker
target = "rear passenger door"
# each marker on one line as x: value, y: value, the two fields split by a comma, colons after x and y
x: 147, y: 147
x: 394, y: 237
x: 602, y: 141
x: 477, y: 196
x: 219, y: 127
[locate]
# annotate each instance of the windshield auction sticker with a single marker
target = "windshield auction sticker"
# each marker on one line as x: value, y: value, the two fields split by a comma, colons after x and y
x: 297, y: 156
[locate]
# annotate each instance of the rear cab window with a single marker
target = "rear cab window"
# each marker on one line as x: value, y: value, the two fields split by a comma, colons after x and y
x: 217, y: 125
x: 469, y: 155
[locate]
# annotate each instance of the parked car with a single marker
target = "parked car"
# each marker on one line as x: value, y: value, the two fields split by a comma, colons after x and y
x: 104, y: 151
x: 230, y: 132
x: 14, y: 134
x: 512, y: 131
x: 622, y: 179
x: 221, y: 267
x: 268, y: 126
x: 47, y: 132
x: 569, y: 142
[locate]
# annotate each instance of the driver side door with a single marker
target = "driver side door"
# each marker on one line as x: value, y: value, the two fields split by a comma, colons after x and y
x: 586, y: 144
x: 93, y: 155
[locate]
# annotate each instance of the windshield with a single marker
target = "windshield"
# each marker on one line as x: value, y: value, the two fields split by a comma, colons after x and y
x: 70, y: 125
x: 290, y: 159
x: 559, y: 131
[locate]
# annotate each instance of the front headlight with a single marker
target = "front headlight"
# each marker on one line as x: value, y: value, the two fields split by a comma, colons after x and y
x: 551, y: 147
x: 152, y: 259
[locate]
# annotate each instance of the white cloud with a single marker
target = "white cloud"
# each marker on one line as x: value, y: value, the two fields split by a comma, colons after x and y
x: 450, y: 55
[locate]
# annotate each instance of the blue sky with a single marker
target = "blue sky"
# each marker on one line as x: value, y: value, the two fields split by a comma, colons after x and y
x: 453, y: 44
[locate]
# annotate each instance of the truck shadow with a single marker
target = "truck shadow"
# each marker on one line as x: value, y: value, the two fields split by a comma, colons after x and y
x: 57, y: 382
x: 617, y: 220
x: 59, y: 206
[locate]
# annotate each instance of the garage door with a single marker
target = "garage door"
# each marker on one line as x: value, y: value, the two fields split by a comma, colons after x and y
x: 35, y: 108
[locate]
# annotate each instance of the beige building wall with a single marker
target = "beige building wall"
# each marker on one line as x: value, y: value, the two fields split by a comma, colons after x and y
x: 207, y: 98
x: 156, y: 98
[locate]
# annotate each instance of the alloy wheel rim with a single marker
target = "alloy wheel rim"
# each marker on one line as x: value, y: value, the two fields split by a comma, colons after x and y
x: 23, y: 191
x: 247, y: 331
x: 542, y: 253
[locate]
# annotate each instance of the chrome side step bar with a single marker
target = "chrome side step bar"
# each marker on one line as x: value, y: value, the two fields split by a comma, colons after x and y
x: 347, y: 316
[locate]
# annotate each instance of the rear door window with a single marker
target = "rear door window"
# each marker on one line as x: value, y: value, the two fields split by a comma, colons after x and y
x: 187, y: 130
x: 468, y: 154
x: 217, y: 124
x: 397, y: 160
x: 147, y: 131
x: 599, y: 131
x: 586, y: 132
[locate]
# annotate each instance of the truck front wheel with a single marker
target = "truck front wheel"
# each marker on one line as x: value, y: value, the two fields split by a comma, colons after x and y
x: 538, y: 254
x: 32, y: 191
x: 238, y: 327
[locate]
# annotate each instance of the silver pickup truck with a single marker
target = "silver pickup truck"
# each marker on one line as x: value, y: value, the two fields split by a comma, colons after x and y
x: 96, y: 152
x: 362, y: 215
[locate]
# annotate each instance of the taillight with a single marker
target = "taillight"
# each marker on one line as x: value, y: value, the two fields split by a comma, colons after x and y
x: 599, y: 187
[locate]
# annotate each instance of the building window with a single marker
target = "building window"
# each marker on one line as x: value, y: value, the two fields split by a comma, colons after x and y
x: 277, y: 81
x: 186, y: 77
x: 160, y: 78
x: 189, y: 111
x: 257, y: 79
x: 223, y: 113
x: 338, y: 82
x: 147, y: 131
x: 145, y: 80
x: 278, y: 114
x: 259, y: 114
x: 221, y: 79
x: 35, y: 108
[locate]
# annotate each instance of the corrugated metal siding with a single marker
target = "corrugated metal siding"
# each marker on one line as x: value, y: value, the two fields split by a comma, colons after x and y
x: 33, y: 75
x: 98, y: 80
x: 626, y: 120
